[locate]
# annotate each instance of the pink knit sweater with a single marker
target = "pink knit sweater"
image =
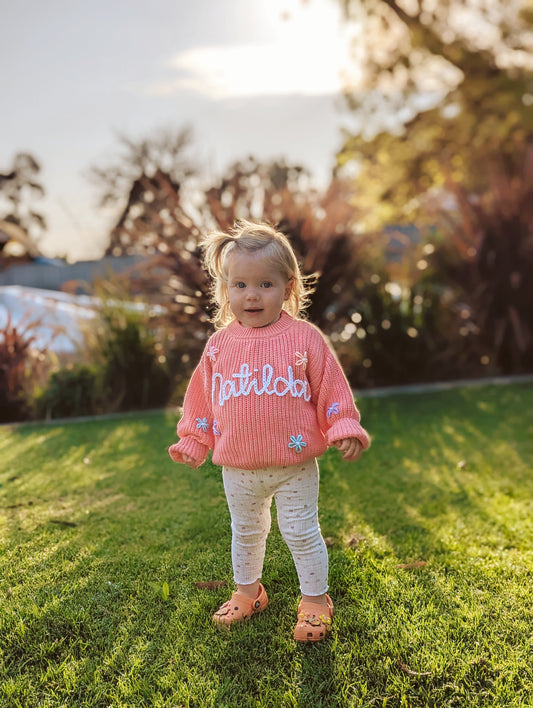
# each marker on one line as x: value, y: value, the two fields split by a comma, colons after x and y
x: 266, y: 397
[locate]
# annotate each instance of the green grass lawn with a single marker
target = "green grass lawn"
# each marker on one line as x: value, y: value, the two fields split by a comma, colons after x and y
x: 103, y: 540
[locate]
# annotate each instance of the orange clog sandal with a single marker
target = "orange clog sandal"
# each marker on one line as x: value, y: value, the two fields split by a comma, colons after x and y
x: 240, y: 607
x: 314, y: 621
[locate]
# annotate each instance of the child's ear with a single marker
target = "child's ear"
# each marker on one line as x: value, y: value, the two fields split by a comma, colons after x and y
x: 288, y: 289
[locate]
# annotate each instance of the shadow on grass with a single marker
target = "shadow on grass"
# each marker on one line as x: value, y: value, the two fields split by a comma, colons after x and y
x: 429, y: 529
x: 460, y: 456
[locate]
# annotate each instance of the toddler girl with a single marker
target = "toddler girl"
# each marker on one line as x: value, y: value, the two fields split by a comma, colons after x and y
x: 268, y: 397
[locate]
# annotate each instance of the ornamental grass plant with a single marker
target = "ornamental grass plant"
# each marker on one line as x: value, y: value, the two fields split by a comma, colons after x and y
x: 113, y: 560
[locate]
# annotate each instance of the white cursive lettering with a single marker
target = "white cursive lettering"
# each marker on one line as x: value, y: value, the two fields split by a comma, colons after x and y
x: 246, y: 381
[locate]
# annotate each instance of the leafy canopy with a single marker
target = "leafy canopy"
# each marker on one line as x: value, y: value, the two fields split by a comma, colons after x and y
x: 447, y: 95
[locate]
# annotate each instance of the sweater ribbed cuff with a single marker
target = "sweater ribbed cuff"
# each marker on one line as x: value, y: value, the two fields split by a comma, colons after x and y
x: 191, y: 447
x: 348, y: 428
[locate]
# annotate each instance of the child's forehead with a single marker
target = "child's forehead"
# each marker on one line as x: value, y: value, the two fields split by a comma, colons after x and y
x: 250, y: 263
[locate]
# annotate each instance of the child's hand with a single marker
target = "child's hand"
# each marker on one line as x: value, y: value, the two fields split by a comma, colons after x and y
x: 351, y: 447
x: 189, y: 461
x: 177, y: 456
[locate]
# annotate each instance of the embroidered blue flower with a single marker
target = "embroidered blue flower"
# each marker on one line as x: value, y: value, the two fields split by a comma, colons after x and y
x: 333, y: 410
x: 202, y: 424
x: 216, y: 431
x: 297, y: 443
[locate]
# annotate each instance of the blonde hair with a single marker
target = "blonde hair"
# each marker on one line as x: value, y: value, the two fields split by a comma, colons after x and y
x: 250, y: 237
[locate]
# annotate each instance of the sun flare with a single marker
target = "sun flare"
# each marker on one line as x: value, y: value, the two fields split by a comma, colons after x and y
x: 307, y: 52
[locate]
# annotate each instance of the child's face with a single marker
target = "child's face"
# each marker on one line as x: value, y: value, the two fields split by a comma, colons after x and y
x: 256, y: 289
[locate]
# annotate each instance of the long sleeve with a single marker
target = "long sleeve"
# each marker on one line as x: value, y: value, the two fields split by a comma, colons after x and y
x: 337, y: 414
x: 195, y: 428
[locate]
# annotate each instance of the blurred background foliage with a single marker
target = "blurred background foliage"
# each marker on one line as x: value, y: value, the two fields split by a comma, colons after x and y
x: 422, y: 242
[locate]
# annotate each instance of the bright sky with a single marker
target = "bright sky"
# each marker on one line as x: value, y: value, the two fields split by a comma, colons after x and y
x: 257, y: 77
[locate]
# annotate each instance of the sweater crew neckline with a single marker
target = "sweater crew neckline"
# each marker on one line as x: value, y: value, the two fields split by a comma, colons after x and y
x: 282, y: 325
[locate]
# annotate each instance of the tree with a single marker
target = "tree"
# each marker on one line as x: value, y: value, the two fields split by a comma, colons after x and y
x: 448, y: 91
x: 460, y: 166
x: 165, y: 151
x: 18, y: 189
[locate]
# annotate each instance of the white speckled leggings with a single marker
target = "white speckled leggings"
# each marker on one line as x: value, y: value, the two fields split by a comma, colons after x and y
x: 295, y: 489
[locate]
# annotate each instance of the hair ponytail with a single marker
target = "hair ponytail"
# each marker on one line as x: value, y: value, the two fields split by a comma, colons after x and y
x: 214, y: 245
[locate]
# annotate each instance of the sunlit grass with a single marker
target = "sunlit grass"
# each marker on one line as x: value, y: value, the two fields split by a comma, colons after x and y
x: 430, y: 538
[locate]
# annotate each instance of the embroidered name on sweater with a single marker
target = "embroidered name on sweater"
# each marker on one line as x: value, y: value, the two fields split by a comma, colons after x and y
x: 247, y: 381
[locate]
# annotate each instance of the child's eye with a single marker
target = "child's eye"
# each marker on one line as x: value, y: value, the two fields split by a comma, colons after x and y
x: 267, y: 284
x: 240, y: 284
